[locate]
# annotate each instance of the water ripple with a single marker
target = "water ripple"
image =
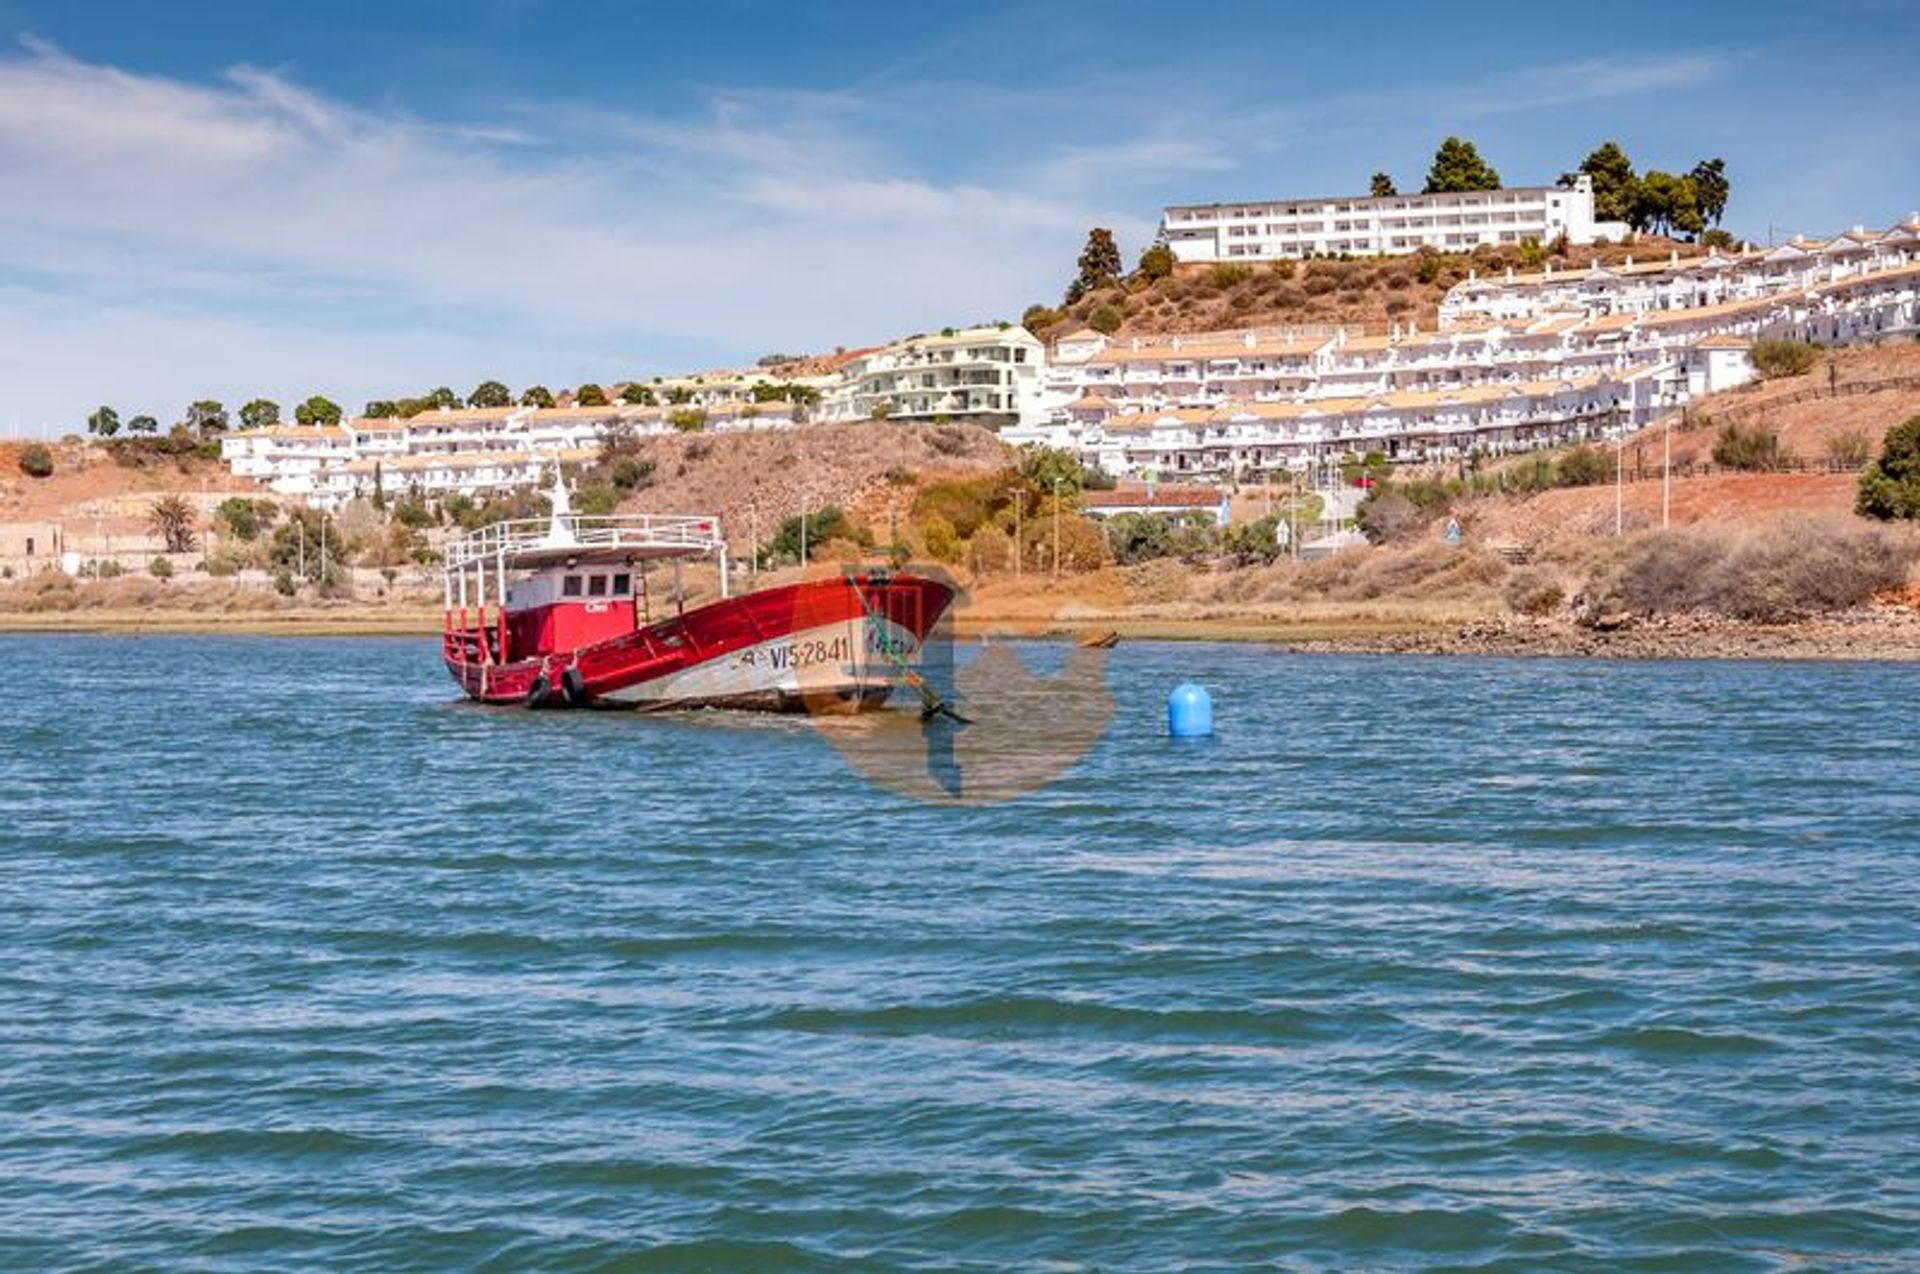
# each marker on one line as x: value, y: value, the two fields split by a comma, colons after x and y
x: 1475, y: 965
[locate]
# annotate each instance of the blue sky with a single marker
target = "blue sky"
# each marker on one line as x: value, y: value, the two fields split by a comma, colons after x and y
x: 229, y: 198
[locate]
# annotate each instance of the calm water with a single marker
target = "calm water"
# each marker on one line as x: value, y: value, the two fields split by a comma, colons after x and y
x: 1476, y: 965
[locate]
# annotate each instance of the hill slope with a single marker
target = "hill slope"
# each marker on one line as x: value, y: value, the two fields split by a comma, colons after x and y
x: 1372, y: 293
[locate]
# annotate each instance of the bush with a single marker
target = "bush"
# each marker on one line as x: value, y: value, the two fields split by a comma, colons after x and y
x: 632, y: 474
x: 938, y: 535
x: 1156, y: 262
x: 1106, y: 320
x: 1778, y: 358
x: 1784, y: 571
x: 1139, y: 537
x: 1226, y: 275
x: 36, y: 461
x: 1386, y: 515
x: 160, y: 568
x: 947, y: 440
x: 688, y: 420
x: 1038, y: 318
x: 1584, y: 466
x: 1850, y: 447
x: 1890, y: 487
x: 1534, y: 592
x: 1754, y: 449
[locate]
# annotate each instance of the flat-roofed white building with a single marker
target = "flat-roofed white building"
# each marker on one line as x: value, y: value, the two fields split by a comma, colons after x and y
x: 989, y: 376
x: 1392, y: 225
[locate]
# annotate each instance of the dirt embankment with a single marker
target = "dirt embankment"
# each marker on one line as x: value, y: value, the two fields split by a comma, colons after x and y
x: 88, y: 482
x: 766, y: 477
x: 1809, y: 428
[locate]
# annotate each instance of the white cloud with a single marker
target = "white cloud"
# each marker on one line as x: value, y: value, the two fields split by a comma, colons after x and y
x: 310, y: 240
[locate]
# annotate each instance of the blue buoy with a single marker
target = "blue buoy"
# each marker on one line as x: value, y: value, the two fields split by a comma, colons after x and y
x: 1189, y: 712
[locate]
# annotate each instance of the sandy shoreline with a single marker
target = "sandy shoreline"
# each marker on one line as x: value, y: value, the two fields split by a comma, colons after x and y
x: 1879, y: 633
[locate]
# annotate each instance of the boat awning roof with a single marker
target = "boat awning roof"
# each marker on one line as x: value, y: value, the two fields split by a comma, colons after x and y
x: 567, y: 540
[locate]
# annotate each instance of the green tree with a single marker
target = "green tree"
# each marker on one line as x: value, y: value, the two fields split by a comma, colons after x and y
x: 238, y: 515
x: 1254, y: 543
x: 829, y: 522
x: 1711, y: 188
x: 1045, y: 467
x: 1105, y: 319
x: 1457, y: 166
x: 442, y: 397
x: 590, y: 395
x: 260, y: 413
x: 317, y: 411
x: 207, y: 416
x: 1139, y: 537
x: 1099, y: 260
x: 1890, y: 486
x: 171, y: 518
x: 1614, y: 182
x: 1666, y: 204
x: 1381, y: 187
x: 537, y: 396
x: 490, y: 393
x: 638, y: 395
x: 381, y: 409
x: 1156, y: 262
x: 104, y: 422
x: 143, y: 425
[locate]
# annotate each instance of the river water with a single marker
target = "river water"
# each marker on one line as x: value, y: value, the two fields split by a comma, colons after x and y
x: 1419, y: 964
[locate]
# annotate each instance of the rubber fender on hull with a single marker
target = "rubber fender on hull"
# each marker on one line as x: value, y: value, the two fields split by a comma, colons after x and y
x: 576, y: 687
x: 539, y: 692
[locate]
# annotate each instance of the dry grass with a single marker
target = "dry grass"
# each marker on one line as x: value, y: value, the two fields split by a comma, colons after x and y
x: 1789, y: 569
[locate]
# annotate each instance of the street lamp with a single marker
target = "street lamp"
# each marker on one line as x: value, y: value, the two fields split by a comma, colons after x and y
x: 1056, y: 528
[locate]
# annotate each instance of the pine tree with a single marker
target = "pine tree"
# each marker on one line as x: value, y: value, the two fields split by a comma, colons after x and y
x: 1711, y: 188
x: 1099, y: 260
x: 1382, y: 187
x: 1614, y: 184
x: 1457, y: 166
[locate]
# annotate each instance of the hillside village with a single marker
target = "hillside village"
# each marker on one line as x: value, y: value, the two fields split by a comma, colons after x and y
x: 1486, y: 347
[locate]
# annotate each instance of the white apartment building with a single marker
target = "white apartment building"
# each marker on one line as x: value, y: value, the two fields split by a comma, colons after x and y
x: 1611, y: 351
x: 1283, y: 229
x: 989, y: 376
x: 1676, y: 283
x: 459, y: 450
x: 1241, y: 440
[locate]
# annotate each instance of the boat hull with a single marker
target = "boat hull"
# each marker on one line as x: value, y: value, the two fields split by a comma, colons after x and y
x: 823, y: 646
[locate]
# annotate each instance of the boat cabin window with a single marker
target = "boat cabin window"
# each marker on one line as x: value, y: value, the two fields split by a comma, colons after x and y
x: 570, y: 587
x: 622, y: 584
x: 596, y: 586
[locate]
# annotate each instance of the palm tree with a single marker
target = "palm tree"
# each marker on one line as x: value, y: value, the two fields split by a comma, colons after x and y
x: 171, y: 518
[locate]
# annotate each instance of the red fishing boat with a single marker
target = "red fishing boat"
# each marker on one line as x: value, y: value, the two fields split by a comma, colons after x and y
x: 563, y: 612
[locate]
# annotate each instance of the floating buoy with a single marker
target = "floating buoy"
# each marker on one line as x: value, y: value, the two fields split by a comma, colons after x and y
x: 1189, y: 712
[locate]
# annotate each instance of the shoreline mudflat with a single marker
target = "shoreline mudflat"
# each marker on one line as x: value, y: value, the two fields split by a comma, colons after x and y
x: 1876, y: 633
x: 1881, y: 634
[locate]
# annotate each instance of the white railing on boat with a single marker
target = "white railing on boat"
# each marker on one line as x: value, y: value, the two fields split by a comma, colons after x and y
x: 653, y: 535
